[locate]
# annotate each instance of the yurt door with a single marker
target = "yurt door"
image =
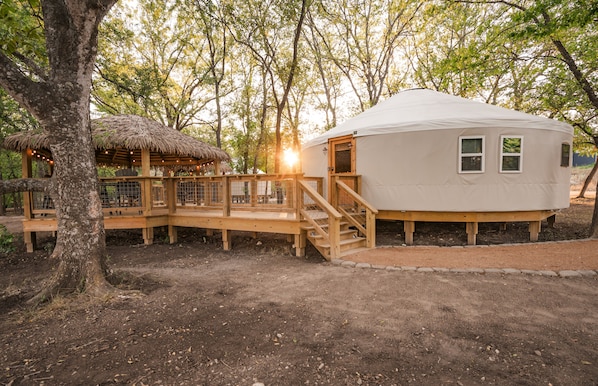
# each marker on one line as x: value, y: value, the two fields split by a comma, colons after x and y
x: 341, y: 159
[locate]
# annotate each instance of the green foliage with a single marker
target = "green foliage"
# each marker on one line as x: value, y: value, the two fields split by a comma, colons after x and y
x: 6, y: 240
x: 22, y: 33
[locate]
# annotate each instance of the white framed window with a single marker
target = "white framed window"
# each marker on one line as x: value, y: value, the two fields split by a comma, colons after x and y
x: 565, y: 155
x: 511, y: 154
x: 471, y: 154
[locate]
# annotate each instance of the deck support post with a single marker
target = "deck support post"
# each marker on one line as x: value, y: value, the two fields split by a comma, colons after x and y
x: 300, y: 244
x: 226, y: 241
x: 409, y: 229
x: 534, y: 230
x: 30, y: 241
x: 472, y: 231
x: 172, y: 234
x: 148, y: 236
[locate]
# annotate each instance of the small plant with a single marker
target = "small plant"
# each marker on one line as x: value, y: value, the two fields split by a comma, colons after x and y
x: 6, y: 240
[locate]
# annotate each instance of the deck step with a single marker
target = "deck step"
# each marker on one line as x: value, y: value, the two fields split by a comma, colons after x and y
x: 348, y: 244
x: 344, y: 234
x: 344, y: 225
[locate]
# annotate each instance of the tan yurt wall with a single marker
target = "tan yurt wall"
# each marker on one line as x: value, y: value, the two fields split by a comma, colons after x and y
x: 418, y: 171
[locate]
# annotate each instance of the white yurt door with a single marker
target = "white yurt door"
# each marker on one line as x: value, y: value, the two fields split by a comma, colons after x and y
x: 341, y: 158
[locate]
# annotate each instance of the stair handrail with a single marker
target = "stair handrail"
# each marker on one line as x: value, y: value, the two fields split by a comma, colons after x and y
x: 370, y: 226
x: 334, y: 219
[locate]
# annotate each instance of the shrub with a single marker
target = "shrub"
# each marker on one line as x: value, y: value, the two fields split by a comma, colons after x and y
x: 6, y: 240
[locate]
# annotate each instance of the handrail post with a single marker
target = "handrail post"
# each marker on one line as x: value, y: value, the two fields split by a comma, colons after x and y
x: 226, y: 196
x: 370, y: 221
x: 334, y: 191
x: 334, y: 227
x: 298, y: 198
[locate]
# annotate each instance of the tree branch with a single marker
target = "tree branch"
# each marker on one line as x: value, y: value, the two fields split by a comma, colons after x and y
x: 26, y: 185
x: 20, y: 87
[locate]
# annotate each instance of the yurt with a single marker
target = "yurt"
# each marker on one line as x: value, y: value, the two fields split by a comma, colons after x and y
x: 427, y: 156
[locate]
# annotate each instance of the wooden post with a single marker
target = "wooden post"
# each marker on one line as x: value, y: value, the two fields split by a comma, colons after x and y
x: 226, y: 196
x: 370, y: 222
x: 146, y: 189
x: 226, y: 204
x: 148, y: 235
x: 534, y: 230
x: 409, y: 228
x: 171, y: 204
x: 300, y: 244
x: 28, y: 237
x: 333, y: 199
x: 472, y: 231
x: 226, y: 241
x: 253, y: 191
x: 146, y: 195
x: 334, y: 235
x: 299, y: 199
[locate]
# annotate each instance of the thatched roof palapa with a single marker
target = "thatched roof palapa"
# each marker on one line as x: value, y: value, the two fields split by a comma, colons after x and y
x: 120, y: 139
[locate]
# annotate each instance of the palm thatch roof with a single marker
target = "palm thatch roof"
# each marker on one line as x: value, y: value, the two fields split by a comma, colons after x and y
x: 119, y: 140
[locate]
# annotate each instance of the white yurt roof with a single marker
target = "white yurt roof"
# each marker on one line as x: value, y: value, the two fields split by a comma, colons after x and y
x: 423, y: 109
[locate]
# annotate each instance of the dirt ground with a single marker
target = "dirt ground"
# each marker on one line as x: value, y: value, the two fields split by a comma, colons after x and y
x: 257, y: 315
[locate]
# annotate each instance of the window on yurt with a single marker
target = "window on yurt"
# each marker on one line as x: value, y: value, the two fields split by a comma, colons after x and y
x: 471, y: 154
x: 565, y: 154
x: 511, y: 154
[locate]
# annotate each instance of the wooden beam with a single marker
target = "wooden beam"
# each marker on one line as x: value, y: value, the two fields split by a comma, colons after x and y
x: 515, y: 216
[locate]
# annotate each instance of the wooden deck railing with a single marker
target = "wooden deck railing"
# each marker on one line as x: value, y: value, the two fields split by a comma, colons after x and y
x: 141, y: 195
x: 322, y: 216
x: 357, y: 211
x: 148, y: 202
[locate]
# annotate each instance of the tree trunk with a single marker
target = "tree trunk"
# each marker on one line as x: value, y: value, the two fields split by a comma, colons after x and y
x: 59, y: 99
x: 586, y: 183
x: 80, y: 242
x: 594, y: 226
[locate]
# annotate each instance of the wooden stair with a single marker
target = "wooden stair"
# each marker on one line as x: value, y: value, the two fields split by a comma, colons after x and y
x: 350, y: 241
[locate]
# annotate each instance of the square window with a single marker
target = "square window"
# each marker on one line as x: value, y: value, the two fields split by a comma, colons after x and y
x: 511, y: 154
x: 565, y: 154
x: 471, y: 154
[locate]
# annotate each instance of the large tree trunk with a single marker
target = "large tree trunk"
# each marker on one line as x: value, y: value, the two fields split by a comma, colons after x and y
x: 59, y: 99
x: 80, y: 242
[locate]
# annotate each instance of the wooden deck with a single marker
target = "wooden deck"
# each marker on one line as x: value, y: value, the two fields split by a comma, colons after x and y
x: 253, y: 203
x: 286, y: 204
